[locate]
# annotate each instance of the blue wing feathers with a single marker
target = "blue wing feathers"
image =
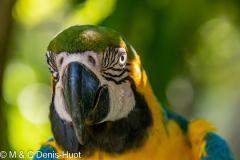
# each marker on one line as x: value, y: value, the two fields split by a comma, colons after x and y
x: 183, y: 122
x: 216, y: 148
x: 46, y: 152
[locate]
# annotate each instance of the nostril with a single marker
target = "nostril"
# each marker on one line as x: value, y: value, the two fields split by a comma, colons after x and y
x: 92, y: 60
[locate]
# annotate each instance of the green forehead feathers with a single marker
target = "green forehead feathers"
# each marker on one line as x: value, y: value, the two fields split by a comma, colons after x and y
x: 82, y: 38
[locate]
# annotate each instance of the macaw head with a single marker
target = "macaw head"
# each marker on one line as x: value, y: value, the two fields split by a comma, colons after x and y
x: 98, y: 90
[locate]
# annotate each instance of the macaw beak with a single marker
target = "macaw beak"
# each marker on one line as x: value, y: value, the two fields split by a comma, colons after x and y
x: 87, y: 102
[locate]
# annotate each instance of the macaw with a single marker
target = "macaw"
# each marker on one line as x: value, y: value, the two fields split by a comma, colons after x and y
x: 103, y: 106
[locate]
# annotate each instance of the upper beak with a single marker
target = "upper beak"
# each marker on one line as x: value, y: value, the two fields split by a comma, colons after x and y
x: 87, y: 101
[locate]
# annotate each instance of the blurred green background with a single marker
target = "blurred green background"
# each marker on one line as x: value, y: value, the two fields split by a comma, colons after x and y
x: 190, y: 50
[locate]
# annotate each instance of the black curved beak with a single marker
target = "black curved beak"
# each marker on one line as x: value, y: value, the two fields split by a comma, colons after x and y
x: 87, y: 102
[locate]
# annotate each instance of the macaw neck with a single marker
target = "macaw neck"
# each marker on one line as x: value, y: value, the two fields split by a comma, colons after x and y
x: 159, y: 113
x: 144, y: 88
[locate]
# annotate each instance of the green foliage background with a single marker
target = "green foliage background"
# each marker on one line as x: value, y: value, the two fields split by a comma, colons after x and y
x: 190, y: 50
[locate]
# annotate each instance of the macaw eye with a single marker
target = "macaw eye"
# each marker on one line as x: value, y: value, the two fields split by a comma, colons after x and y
x: 123, y: 59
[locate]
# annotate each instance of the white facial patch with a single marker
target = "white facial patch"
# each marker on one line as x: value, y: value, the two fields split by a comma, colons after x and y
x: 121, y: 96
x: 122, y: 101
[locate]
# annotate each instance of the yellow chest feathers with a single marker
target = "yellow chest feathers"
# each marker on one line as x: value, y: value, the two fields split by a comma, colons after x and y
x: 174, y: 145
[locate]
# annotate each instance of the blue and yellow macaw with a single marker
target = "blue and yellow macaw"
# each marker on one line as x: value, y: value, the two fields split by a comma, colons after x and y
x: 103, y: 106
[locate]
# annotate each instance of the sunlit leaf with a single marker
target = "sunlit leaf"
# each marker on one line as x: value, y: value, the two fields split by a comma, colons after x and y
x: 31, y: 12
x: 90, y: 12
x: 33, y: 103
x: 17, y: 75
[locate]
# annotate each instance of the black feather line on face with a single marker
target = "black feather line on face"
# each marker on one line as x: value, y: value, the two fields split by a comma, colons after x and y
x: 116, y: 75
x: 51, y: 61
x: 119, y: 81
x: 112, y: 68
x: 110, y: 58
x: 112, y: 137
